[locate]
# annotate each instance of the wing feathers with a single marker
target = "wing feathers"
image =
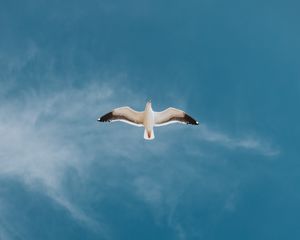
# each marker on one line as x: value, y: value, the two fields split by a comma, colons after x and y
x: 189, y: 120
x: 128, y: 115
x: 173, y: 115
x: 106, y: 118
x: 124, y: 114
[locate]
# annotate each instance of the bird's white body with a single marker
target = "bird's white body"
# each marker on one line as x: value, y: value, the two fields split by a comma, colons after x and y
x: 148, y: 118
x: 148, y: 122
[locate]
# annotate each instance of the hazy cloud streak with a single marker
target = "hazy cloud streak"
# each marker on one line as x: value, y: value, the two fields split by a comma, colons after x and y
x: 45, y: 134
x: 247, y: 142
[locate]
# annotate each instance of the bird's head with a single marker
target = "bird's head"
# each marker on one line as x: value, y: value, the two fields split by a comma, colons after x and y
x: 148, y: 104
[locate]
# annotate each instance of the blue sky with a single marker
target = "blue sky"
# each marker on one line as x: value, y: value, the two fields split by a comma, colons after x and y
x: 232, y: 65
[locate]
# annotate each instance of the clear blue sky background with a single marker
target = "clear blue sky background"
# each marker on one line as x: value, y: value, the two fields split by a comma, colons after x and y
x: 233, y: 65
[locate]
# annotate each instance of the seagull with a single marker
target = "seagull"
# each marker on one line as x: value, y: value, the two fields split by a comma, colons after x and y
x: 148, y: 118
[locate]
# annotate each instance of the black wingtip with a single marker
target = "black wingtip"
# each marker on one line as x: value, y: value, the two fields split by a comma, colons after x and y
x: 105, y: 118
x: 190, y: 120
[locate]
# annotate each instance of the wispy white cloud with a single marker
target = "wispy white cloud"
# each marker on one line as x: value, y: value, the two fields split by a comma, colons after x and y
x: 35, y: 149
x: 165, y: 190
x: 248, y: 142
x: 45, y: 134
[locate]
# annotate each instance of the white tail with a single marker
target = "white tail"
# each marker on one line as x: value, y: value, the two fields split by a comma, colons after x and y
x: 149, y: 135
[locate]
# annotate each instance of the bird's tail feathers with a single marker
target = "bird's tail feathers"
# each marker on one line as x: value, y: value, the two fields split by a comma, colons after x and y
x: 149, y: 135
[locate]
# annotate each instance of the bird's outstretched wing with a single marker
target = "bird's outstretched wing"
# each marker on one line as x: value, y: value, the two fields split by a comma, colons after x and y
x: 173, y: 115
x: 124, y: 114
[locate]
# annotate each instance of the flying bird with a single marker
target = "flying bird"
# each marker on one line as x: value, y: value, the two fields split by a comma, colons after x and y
x: 148, y: 118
